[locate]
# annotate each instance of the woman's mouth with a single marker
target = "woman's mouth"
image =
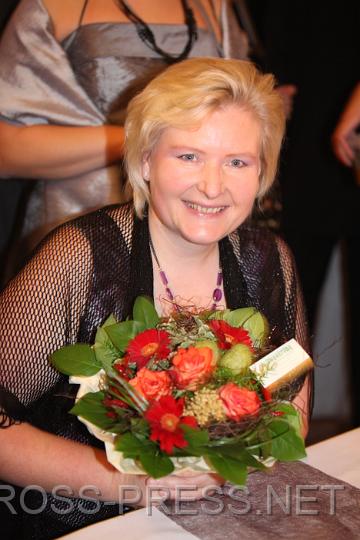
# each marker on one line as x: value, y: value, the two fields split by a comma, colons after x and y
x: 205, y: 209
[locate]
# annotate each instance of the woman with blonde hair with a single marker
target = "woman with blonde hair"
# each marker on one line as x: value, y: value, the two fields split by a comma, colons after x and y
x: 202, y: 142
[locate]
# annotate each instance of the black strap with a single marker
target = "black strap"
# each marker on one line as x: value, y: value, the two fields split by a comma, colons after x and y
x: 85, y: 4
x: 146, y: 35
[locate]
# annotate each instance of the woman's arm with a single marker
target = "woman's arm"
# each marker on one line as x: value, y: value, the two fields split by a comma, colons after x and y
x: 38, y: 82
x: 29, y: 456
x: 302, y: 403
x: 49, y: 152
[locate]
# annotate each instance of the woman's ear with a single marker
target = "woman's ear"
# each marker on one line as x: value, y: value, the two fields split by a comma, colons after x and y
x: 146, y: 167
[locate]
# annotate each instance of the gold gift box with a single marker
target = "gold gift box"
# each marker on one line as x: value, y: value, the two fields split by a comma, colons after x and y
x: 283, y: 365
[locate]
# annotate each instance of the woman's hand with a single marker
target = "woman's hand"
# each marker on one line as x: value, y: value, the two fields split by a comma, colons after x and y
x: 142, y: 490
x: 184, y: 486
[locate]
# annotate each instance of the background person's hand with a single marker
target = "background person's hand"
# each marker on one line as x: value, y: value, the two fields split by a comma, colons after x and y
x: 348, y: 122
x: 287, y: 92
x: 341, y: 146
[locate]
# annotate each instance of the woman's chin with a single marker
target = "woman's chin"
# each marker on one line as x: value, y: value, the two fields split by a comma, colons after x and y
x: 202, y: 237
x: 209, y: 232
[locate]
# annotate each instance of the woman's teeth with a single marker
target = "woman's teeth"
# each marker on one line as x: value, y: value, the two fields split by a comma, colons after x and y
x: 205, y: 209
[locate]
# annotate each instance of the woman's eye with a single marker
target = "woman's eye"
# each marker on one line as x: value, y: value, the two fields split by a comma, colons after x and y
x: 237, y: 163
x: 187, y: 157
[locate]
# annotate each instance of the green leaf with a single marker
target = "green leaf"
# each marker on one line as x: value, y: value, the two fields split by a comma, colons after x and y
x: 258, y: 327
x: 286, y: 445
x: 145, y: 312
x: 291, y: 415
x: 109, y: 321
x: 152, y: 460
x: 253, y: 321
x: 237, y: 317
x: 286, y: 408
x: 121, y: 333
x: 240, y: 454
x: 104, y: 349
x: 133, y: 446
x: 91, y: 408
x: 190, y: 451
x: 219, y: 314
x: 77, y: 359
x: 195, y: 437
x: 122, y: 425
x: 229, y: 468
x: 156, y: 464
x: 264, y: 450
x: 140, y: 427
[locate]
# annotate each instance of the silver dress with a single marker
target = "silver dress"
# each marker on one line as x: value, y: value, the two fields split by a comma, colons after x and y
x: 88, y: 79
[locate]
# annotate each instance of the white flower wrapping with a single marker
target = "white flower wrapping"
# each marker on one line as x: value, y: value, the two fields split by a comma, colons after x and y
x: 116, y: 458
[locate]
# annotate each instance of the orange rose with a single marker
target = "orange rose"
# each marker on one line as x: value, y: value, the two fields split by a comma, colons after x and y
x: 192, y: 367
x: 238, y: 402
x: 152, y: 384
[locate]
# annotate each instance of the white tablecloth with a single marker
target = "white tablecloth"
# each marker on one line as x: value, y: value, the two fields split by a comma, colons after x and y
x: 338, y: 456
x: 136, y: 525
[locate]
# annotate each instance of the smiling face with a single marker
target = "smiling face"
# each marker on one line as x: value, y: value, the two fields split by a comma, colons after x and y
x: 203, y: 182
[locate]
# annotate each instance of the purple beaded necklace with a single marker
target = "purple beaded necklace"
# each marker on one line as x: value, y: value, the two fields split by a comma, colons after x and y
x: 217, y: 293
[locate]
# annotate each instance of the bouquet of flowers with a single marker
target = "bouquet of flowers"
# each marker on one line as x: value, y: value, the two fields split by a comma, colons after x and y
x: 184, y: 392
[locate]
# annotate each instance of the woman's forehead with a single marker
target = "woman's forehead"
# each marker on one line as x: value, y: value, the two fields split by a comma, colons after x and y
x: 225, y: 126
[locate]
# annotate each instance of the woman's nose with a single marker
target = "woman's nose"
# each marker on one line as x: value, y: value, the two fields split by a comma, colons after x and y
x: 211, y: 182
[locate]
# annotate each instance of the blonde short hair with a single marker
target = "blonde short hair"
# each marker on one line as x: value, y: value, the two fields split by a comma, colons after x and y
x: 184, y: 94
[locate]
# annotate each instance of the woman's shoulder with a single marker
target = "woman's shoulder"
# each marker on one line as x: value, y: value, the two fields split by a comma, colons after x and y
x: 262, y: 243
x: 76, y: 247
x: 258, y: 237
x: 62, y: 16
x: 116, y: 217
x: 65, y: 15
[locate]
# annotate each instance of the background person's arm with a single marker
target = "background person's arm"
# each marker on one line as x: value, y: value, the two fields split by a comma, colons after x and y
x: 48, y: 152
x: 348, y: 122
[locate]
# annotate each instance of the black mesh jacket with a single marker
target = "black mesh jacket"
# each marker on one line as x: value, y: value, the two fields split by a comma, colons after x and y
x: 82, y: 272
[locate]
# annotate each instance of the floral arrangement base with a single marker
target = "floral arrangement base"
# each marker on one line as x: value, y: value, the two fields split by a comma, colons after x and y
x: 182, y: 393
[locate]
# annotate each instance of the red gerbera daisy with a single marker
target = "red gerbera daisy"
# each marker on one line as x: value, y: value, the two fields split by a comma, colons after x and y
x: 229, y: 335
x: 165, y: 419
x: 148, y: 344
